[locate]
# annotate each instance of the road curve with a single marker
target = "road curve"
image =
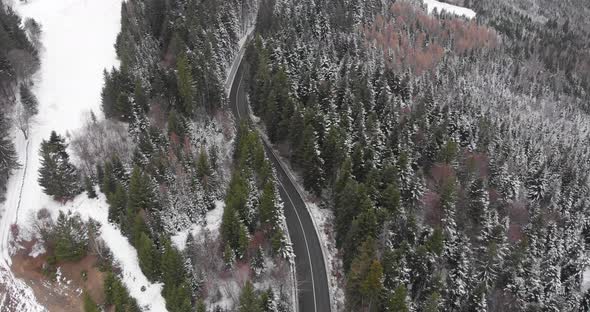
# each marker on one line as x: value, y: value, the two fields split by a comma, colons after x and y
x: 312, y: 278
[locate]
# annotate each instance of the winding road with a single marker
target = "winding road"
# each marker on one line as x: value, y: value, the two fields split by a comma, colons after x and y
x: 312, y: 278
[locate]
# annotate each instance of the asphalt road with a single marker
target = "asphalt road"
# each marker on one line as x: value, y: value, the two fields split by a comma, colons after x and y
x: 313, y: 290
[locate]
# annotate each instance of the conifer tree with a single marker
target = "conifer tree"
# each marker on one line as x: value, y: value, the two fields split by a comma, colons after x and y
x: 8, y: 157
x: 185, y: 84
x: 89, y: 305
x: 89, y: 187
x: 312, y: 163
x: 28, y: 100
x: 117, y: 204
x: 146, y: 255
x: 249, y: 301
x: 57, y: 176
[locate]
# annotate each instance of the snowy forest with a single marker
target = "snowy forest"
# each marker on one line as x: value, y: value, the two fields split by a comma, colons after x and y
x: 447, y: 154
x: 453, y: 153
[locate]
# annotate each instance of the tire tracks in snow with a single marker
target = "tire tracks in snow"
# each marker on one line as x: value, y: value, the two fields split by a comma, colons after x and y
x: 22, y: 185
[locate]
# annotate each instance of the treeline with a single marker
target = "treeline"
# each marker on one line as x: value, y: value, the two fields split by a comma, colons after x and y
x: 446, y: 197
x: 18, y: 61
x: 560, y: 43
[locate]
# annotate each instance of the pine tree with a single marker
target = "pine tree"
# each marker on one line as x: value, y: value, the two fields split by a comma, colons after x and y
x: 57, y: 176
x: 89, y: 305
x: 372, y: 285
x: 203, y: 168
x: 117, y: 204
x: 267, y: 205
x: 185, y: 84
x: 28, y: 100
x: 8, y: 157
x: 312, y: 163
x: 398, y: 301
x: 146, y: 255
x: 89, y: 187
x: 71, y: 238
x: 249, y: 300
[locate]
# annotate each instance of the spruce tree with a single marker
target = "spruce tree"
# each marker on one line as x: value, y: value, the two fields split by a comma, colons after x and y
x: 185, y: 84
x: 145, y: 253
x: 57, y: 176
x: 249, y: 300
x: 89, y: 305
x: 8, y: 157
x: 28, y: 100
x: 267, y: 205
x: 312, y: 163
x: 89, y: 186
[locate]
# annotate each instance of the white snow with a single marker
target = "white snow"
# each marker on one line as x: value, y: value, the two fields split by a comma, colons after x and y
x: 213, y: 222
x: 78, y: 38
x: 124, y: 254
x: 586, y: 279
x: 450, y: 8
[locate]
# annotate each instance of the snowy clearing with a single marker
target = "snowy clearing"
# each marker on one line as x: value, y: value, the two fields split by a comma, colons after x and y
x: 450, y: 8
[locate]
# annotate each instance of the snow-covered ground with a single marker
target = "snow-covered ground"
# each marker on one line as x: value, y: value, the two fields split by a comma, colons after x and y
x: 450, y: 8
x: 213, y: 222
x: 78, y: 38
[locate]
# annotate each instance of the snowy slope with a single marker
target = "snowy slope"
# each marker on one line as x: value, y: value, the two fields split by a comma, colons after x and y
x: 450, y: 8
x: 78, y: 39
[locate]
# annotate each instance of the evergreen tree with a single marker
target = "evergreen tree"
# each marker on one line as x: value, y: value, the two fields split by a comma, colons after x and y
x: 89, y: 305
x: 312, y: 163
x: 185, y: 85
x: 8, y: 157
x: 146, y: 254
x: 71, y: 238
x: 398, y: 301
x: 203, y: 168
x: 89, y: 187
x: 28, y: 100
x: 57, y: 176
x: 117, y: 204
x: 249, y: 301
x: 267, y: 205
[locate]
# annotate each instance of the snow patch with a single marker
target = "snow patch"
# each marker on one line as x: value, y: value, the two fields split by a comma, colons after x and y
x: 124, y: 254
x: 212, y: 224
x: 449, y: 8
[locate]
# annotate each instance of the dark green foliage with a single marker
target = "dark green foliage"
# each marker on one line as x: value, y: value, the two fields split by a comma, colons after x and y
x: 176, y: 291
x: 8, y: 157
x: 267, y: 205
x: 398, y: 301
x: 117, y: 203
x: 147, y: 256
x: 57, y: 176
x: 116, y: 94
x: 117, y: 295
x: 203, y: 167
x: 249, y: 301
x: 70, y: 238
x: 28, y: 100
x: 89, y: 186
x: 89, y: 305
x: 185, y: 85
x: 311, y: 162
